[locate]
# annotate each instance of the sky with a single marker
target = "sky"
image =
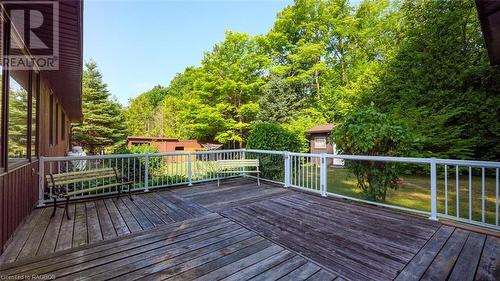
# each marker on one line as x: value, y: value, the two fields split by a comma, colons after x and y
x: 140, y: 44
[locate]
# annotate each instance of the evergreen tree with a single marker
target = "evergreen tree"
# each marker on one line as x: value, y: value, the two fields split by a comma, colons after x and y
x: 103, y: 122
x: 276, y: 104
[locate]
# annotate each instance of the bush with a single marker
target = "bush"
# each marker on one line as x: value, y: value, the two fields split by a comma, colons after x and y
x: 369, y: 132
x: 271, y: 136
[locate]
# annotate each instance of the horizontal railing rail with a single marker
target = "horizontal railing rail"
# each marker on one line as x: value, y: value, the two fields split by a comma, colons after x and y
x: 461, y: 190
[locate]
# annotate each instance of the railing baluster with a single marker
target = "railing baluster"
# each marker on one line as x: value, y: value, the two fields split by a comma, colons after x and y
x: 323, y: 175
x: 496, y: 196
x: 446, y: 189
x: 190, y: 173
x: 457, y: 179
x: 146, y: 173
x: 316, y: 176
x: 41, y: 182
x: 482, y: 194
x: 288, y: 165
x: 433, y: 190
x: 470, y: 193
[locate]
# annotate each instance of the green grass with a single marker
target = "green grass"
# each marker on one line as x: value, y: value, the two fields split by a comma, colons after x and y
x: 415, y: 193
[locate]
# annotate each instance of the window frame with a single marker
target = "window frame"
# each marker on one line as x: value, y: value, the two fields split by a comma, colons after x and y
x: 63, y: 126
x: 4, y: 118
x: 33, y: 93
x: 57, y: 122
x: 51, y: 119
x: 323, y: 140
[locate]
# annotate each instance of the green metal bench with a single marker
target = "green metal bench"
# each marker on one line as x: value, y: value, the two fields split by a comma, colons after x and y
x: 62, y: 185
x: 237, y: 166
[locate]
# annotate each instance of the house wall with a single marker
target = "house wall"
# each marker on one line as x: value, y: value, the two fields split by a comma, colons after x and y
x: 19, y: 185
x: 60, y: 145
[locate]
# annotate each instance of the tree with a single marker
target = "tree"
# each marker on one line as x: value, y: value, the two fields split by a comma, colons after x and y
x: 439, y: 81
x: 103, y: 123
x: 141, y: 113
x: 369, y: 132
x: 231, y: 76
x: 276, y: 104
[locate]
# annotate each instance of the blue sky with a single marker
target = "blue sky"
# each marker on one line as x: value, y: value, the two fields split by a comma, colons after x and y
x: 139, y: 44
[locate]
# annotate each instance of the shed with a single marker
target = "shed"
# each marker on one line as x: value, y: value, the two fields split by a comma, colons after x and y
x: 320, y: 141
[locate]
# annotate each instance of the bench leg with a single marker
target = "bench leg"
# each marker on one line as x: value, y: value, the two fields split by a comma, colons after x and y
x: 130, y: 192
x: 258, y: 179
x: 66, y: 208
x: 119, y: 190
x: 55, y: 207
x: 218, y: 180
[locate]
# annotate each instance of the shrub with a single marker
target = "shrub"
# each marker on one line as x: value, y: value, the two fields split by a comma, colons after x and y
x: 369, y: 132
x: 271, y: 136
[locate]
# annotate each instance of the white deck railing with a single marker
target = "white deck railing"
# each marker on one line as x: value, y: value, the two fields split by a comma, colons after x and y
x: 466, y: 191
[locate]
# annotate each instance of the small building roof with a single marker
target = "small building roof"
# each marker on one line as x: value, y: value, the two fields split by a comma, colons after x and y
x: 130, y: 138
x: 324, y: 128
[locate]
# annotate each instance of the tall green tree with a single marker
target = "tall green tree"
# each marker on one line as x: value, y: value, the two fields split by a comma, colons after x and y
x: 440, y: 83
x: 231, y: 80
x: 103, y: 123
x: 142, y: 116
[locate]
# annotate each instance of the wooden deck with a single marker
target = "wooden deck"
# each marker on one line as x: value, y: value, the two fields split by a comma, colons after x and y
x: 239, y: 231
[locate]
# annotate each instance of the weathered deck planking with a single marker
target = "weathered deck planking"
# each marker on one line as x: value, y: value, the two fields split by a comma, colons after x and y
x: 356, y: 243
x: 97, y: 220
x: 179, y: 251
x: 264, y: 233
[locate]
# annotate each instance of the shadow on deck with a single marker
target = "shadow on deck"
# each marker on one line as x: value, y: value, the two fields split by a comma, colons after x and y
x: 240, y: 231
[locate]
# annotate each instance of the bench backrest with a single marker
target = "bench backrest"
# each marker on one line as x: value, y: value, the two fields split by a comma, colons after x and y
x: 236, y: 164
x: 75, y: 177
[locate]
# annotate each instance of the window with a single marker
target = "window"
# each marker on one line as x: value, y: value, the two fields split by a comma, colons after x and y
x: 51, y: 120
x: 35, y: 88
x: 18, y: 108
x: 320, y: 142
x: 179, y: 148
x: 63, y: 126
x: 18, y: 118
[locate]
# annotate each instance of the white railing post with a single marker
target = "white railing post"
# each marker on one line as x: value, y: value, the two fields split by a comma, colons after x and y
x: 322, y: 174
x: 190, y: 170
x: 433, y: 190
x: 146, y: 174
x: 41, y: 181
x: 288, y: 173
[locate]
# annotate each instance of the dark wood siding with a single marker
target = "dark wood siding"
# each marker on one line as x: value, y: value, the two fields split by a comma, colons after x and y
x: 60, y: 146
x: 18, y: 197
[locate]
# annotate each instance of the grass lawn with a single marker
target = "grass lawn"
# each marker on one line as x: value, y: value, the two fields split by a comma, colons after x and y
x: 415, y: 193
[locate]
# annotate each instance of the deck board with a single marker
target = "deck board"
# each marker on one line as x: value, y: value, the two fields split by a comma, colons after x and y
x: 80, y: 225
x: 20, y: 237
x: 240, y: 231
x: 65, y: 238
x: 180, y: 251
